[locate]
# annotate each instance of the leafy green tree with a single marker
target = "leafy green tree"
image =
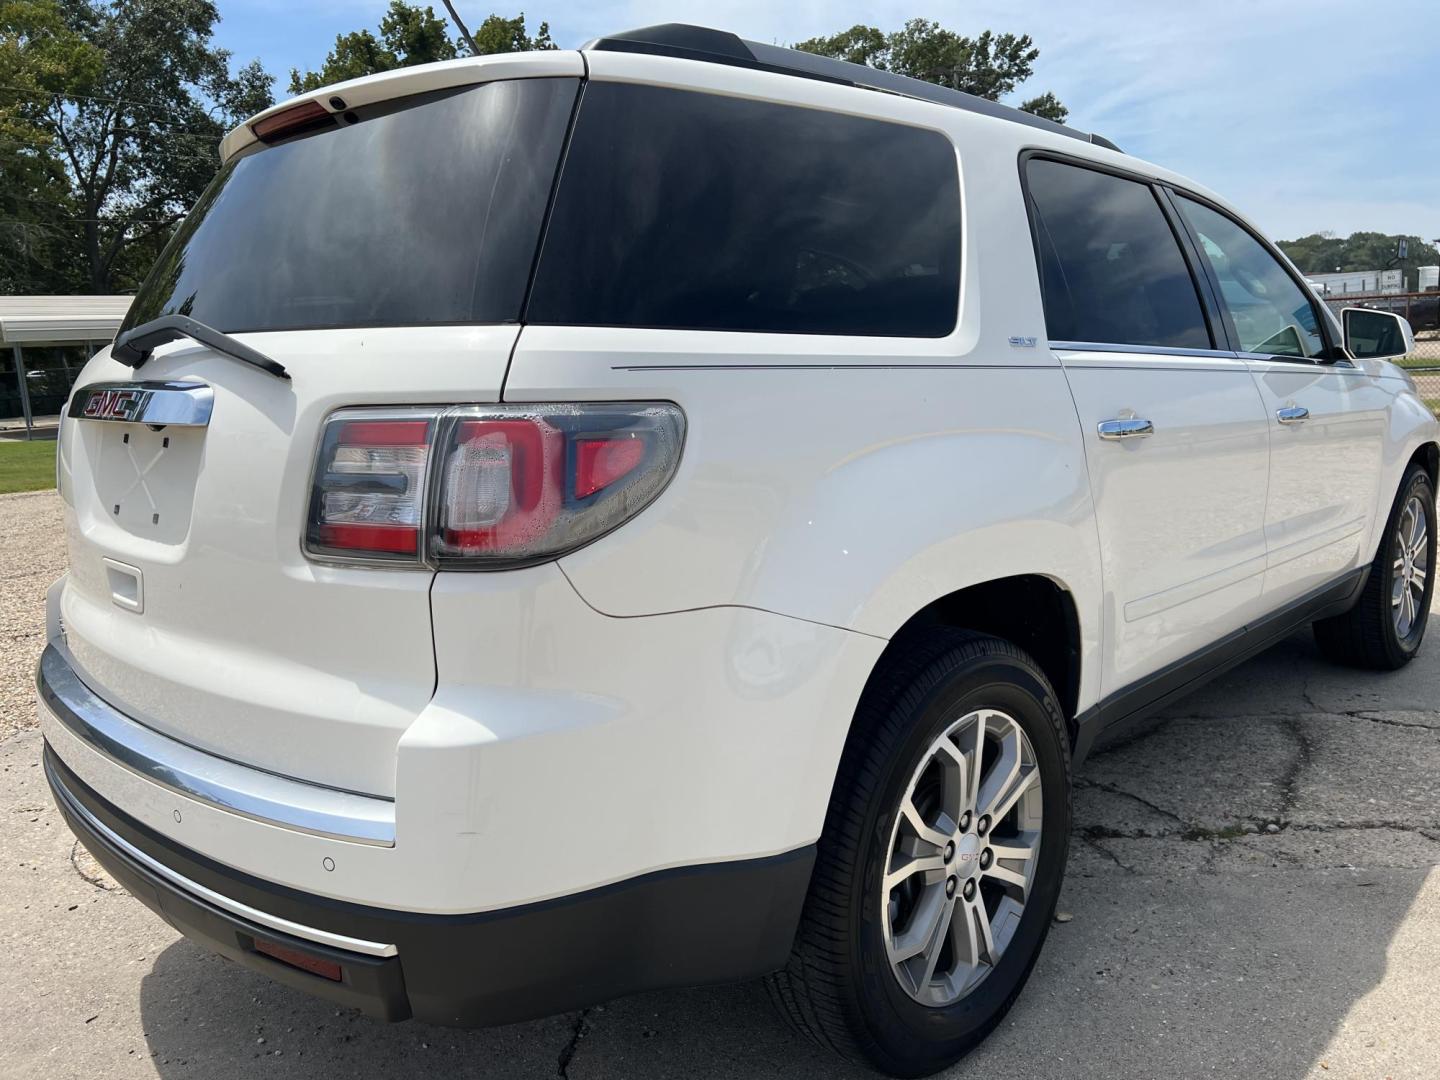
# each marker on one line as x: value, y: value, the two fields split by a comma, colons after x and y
x: 129, y: 100
x: 411, y: 35
x: 39, y: 251
x: 1325, y: 253
x: 989, y: 66
x: 500, y: 35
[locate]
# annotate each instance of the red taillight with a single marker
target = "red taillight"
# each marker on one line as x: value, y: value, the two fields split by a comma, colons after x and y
x: 601, y: 462
x: 306, y: 116
x: 369, y: 493
x: 485, y: 487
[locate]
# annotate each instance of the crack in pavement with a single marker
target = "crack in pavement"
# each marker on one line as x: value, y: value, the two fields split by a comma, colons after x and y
x: 1388, y: 722
x: 1115, y: 790
x: 1094, y: 842
x: 567, y: 1052
x: 1368, y: 825
x: 1290, y: 782
x: 1370, y: 715
x: 75, y: 865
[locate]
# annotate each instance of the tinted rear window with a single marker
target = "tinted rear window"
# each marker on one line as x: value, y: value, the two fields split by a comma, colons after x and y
x: 1110, y: 266
x: 694, y: 211
x: 427, y: 210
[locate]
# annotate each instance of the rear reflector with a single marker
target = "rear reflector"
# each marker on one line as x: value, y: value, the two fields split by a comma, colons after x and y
x: 306, y: 116
x: 485, y: 487
x: 315, y: 965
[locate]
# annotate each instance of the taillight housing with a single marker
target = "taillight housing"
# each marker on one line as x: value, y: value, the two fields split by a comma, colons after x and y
x: 485, y: 487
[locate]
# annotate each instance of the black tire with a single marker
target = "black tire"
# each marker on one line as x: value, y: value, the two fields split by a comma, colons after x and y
x: 838, y: 988
x: 1366, y: 636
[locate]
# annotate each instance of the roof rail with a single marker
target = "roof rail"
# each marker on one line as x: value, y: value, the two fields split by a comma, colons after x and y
x: 721, y: 47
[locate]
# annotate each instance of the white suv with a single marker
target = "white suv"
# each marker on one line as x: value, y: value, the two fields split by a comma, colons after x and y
x: 563, y: 524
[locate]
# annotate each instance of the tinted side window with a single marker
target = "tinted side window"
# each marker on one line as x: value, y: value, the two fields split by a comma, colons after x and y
x: 1270, y: 311
x: 694, y: 211
x: 1110, y: 266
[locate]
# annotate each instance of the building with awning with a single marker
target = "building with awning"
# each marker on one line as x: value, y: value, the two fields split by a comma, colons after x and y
x: 44, y: 342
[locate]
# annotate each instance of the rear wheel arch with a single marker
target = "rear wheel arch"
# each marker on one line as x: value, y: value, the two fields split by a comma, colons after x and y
x: 1427, y: 456
x: 1034, y: 612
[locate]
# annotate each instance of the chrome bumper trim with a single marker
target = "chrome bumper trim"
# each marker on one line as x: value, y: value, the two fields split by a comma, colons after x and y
x: 223, y: 784
x: 210, y: 896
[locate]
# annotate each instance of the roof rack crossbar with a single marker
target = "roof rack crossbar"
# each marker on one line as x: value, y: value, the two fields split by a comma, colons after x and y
x: 720, y: 47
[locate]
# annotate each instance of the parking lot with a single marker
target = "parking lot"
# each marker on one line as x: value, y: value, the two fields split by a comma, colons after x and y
x: 1252, y: 893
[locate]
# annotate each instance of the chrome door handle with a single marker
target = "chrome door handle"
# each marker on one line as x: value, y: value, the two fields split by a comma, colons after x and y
x: 1116, y: 430
x: 1293, y: 414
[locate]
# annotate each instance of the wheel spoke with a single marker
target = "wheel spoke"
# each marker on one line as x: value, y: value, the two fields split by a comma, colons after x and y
x: 1006, y: 799
x: 1011, y: 867
x: 937, y: 942
x: 920, y: 934
x: 955, y: 788
x: 974, y: 946
x: 923, y: 829
x: 903, y: 868
x: 974, y: 750
x: 1003, y: 773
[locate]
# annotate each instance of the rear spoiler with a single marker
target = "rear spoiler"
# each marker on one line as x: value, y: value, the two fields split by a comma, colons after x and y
x: 319, y: 106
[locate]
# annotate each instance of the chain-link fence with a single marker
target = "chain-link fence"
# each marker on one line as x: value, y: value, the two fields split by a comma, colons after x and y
x: 1423, y: 312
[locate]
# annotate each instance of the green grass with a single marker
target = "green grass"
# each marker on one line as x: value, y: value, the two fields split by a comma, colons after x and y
x: 26, y: 466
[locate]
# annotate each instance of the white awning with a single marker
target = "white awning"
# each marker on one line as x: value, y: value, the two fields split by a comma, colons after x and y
x: 60, y: 319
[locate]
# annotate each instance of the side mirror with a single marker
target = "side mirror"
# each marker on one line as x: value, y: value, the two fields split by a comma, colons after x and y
x: 1374, y: 335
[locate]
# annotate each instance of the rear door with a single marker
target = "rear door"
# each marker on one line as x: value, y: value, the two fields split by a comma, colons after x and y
x: 381, y: 260
x: 1326, y: 416
x: 1174, y: 428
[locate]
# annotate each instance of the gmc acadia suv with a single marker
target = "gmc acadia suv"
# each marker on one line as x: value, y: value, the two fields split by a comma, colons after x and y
x: 564, y: 524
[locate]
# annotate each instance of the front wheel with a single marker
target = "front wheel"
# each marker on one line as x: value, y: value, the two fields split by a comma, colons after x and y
x: 1384, y: 629
x: 941, y: 858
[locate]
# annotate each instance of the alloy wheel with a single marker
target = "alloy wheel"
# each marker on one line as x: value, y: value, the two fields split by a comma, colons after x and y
x: 1411, y: 568
x: 962, y: 856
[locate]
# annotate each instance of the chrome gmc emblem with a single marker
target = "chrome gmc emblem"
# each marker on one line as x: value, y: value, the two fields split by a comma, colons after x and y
x: 158, y: 404
x: 115, y: 404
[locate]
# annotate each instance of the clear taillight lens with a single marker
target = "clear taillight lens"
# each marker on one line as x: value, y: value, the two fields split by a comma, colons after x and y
x: 369, y: 490
x: 486, y: 487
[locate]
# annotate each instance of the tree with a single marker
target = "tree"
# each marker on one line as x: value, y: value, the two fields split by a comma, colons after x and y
x: 1325, y: 253
x: 38, y: 249
x: 412, y: 35
x: 500, y: 35
x: 989, y: 66
x: 130, y: 100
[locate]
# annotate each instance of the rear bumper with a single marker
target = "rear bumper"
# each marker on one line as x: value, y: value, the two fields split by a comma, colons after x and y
x: 700, y: 924
x: 562, y: 751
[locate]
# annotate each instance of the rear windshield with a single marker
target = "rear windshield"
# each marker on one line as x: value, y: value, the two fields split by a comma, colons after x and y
x: 696, y: 211
x: 422, y: 211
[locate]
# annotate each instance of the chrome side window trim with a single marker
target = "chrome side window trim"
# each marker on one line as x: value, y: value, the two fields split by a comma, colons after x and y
x: 1146, y: 350
x: 216, y: 781
x: 158, y: 404
x: 210, y: 896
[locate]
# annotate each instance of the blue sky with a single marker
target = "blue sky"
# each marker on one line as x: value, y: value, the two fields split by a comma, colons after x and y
x: 1314, y: 115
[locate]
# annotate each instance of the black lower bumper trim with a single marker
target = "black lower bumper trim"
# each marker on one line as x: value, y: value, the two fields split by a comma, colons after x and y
x: 720, y: 922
